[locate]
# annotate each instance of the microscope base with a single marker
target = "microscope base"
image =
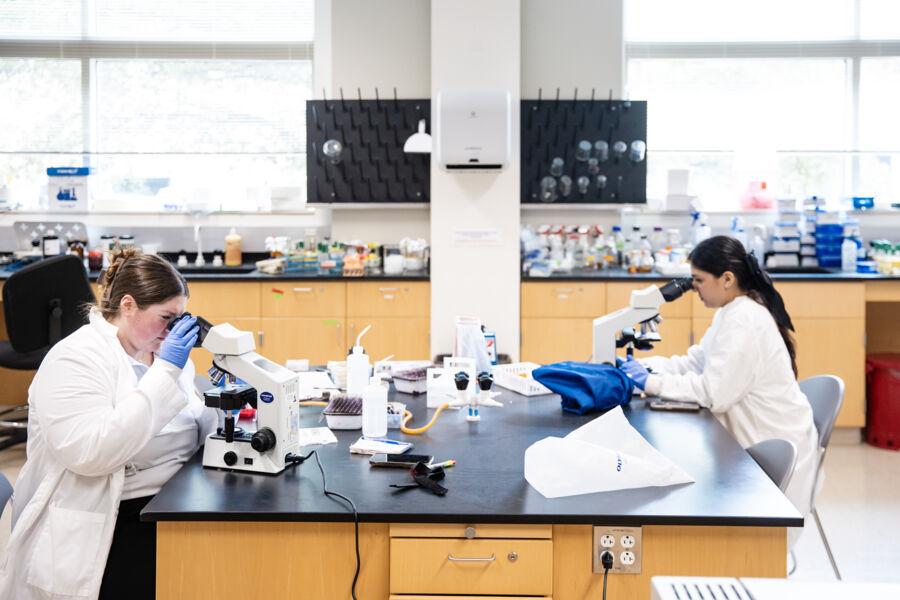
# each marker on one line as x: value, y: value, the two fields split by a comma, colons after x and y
x: 239, y: 456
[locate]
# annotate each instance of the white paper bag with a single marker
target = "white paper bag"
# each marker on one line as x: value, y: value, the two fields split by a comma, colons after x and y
x: 601, y: 456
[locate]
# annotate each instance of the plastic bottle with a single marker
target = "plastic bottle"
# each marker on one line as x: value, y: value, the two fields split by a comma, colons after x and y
x: 619, y: 242
x: 374, y: 408
x: 758, y: 245
x: 658, y: 238
x: 358, y: 367
x: 233, y: 254
x: 702, y: 231
x: 848, y: 255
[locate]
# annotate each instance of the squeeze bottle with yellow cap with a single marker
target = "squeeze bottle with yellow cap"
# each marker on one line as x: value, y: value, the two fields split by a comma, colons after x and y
x: 233, y: 255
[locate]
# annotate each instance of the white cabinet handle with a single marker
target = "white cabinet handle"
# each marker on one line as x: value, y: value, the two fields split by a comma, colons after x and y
x: 306, y: 290
x: 388, y: 289
x: 490, y: 558
x: 563, y: 290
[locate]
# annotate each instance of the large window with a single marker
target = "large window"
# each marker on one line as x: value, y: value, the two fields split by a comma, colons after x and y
x: 800, y: 94
x: 173, y: 103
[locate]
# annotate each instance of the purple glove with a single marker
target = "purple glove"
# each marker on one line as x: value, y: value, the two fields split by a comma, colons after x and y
x: 636, y: 371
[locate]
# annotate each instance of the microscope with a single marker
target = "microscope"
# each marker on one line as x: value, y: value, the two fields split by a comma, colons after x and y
x: 616, y: 330
x: 269, y: 387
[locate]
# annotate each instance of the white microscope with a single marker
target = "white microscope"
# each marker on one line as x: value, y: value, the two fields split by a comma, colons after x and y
x: 270, y: 388
x: 616, y: 330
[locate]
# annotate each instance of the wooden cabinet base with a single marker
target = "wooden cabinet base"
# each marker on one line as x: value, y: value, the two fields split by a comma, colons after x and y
x: 239, y: 560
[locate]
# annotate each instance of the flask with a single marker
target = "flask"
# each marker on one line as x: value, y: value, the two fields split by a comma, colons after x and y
x: 357, y: 367
x: 233, y: 253
x: 374, y: 408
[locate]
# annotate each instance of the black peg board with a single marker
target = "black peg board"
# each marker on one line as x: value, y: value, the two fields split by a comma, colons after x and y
x: 373, y: 166
x: 553, y: 128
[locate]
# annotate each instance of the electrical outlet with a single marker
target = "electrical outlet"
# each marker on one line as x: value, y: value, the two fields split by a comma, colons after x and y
x: 624, y: 543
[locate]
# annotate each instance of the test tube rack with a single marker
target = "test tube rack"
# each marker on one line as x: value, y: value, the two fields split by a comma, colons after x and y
x: 553, y: 128
x: 373, y: 166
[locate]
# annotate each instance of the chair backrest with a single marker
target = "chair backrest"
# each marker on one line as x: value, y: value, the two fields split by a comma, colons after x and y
x: 826, y: 395
x: 6, y: 491
x: 777, y: 458
x: 43, y: 302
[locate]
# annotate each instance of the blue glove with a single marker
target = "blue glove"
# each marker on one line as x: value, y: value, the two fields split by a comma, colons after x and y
x: 636, y: 371
x: 176, y: 348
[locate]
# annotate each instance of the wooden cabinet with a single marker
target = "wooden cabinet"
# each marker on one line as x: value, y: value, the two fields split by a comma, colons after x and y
x: 563, y: 299
x: 219, y: 301
x: 475, y: 560
x: 303, y: 299
x: 318, y: 339
x: 398, y: 312
x: 545, y: 341
x: 403, y: 338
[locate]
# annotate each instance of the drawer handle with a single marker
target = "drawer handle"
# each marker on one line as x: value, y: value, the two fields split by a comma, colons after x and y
x: 563, y: 290
x: 490, y: 558
x: 305, y: 290
x: 388, y: 289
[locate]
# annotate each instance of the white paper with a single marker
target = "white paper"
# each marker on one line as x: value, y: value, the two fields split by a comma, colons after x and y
x: 312, y: 383
x: 311, y: 436
x: 476, y: 237
x: 603, y: 455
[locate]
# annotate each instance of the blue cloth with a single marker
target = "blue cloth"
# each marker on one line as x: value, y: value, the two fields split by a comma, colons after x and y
x: 586, y: 387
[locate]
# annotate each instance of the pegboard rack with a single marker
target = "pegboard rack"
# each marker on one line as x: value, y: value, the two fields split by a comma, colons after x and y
x: 371, y: 166
x: 553, y: 129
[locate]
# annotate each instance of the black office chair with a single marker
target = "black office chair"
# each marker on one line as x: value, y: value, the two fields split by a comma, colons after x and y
x: 42, y: 303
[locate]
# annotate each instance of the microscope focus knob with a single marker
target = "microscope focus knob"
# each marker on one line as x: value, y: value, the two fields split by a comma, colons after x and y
x: 263, y: 440
x: 230, y: 458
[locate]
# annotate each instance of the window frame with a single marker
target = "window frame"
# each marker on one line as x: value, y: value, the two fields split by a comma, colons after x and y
x: 853, y: 50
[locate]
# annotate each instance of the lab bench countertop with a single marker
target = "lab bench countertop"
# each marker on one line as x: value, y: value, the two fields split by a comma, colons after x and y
x: 623, y: 275
x: 227, y: 274
x: 488, y: 485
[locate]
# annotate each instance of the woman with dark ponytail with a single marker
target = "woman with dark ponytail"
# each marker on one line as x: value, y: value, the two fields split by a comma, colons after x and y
x: 744, y: 369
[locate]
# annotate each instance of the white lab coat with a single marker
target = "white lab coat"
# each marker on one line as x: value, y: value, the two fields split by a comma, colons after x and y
x: 742, y: 372
x: 89, y: 416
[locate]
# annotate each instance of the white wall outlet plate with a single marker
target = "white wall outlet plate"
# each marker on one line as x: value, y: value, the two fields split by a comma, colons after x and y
x: 624, y: 543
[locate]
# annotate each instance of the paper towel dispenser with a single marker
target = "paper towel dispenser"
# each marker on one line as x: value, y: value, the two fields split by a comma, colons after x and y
x: 473, y: 129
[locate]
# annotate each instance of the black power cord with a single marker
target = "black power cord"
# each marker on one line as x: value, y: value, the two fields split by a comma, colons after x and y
x: 606, y: 559
x: 297, y: 460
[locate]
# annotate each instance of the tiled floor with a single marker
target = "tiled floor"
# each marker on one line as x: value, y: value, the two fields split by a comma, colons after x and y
x: 859, y: 507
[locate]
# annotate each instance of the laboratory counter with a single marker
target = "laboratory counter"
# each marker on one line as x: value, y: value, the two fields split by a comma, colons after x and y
x: 488, y: 483
x: 812, y: 276
x: 215, y: 274
x: 223, y: 535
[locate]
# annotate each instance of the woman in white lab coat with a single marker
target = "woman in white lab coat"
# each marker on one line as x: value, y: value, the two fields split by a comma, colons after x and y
x: 744, y: 368
x: 113, y: 415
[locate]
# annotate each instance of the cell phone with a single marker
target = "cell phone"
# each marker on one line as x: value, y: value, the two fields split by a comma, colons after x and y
x: 674, y: 406
x: 399, y: 460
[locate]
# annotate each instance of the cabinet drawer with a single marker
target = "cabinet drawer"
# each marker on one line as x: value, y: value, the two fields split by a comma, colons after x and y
x: 215, y: 300
x: 303, y: 299
x: 483, y: 567
x: 826, y: 299
x: 563, y: 299
x: 389, y: 299
x: 618, y: 295
x: 459, y: 530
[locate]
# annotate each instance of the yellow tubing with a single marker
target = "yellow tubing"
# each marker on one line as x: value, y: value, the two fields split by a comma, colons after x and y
x: 407, y: 417
x: 312, y: 403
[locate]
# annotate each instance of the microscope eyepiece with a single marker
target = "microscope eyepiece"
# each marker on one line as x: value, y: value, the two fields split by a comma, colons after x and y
x: 202, y: 324
x: 676, y: 288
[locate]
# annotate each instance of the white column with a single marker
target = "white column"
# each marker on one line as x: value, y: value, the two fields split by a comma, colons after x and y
x: 476, y: 43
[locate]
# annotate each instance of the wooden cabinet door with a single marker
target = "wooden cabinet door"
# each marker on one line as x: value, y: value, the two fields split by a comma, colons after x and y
x: 388, y: 299
x: 405, y: 338
x: 303, y: 298
x: 563, y: 299
x: 318, y: 339
x: 552, y: 340
x: 201, y: 356
x: 836, y: 347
